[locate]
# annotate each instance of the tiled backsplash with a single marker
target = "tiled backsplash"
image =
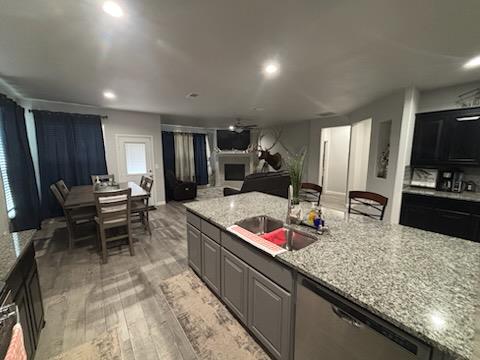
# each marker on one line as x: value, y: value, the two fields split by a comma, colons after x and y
x: 470, y: 174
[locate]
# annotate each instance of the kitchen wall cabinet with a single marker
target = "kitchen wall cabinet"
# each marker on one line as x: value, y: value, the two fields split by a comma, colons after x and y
x: 269, y: 314
x: 235, y: 284
x: 451, y: 217
x: 211, y: 263
x: 447, y: 138
x: 194, y: 244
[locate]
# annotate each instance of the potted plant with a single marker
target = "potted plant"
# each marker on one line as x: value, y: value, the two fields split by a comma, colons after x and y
x: 295, y: 163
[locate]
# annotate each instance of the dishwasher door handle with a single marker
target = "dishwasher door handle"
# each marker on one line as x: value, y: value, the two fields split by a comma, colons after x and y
x: 346, y: 317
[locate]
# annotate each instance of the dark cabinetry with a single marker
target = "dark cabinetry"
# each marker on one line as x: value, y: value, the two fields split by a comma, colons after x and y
x: 24, y: 288
x: 447, y: 138
x: 456, y: 218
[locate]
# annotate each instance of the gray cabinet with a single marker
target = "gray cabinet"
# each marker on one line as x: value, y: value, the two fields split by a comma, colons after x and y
x: 194, y: 243
x: 235, y: 284
x: 211, y: 263
x: 269, y: 314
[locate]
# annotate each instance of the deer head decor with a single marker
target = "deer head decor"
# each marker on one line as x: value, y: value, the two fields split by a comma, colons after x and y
x: 274, y: 160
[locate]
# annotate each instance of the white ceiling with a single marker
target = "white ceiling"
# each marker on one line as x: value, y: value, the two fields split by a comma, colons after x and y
x: 334, y: 54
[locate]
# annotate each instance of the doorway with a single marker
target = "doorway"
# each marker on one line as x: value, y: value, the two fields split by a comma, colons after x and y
x: 135, y: 159
x: 359, y: 155
x: 333, y: 167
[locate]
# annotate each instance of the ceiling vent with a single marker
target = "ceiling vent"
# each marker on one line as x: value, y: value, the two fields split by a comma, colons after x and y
x: 325, y: 114
x: 192, y: 95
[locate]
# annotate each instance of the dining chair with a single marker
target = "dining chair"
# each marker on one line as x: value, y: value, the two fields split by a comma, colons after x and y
x: 60, y: 184
x: 140, y: 207
x: 103, y: 178
x: 74, y: 218
x: 367, y: 203
x: 311, y: 192
x: 113, y: 218
x: 142, y: 180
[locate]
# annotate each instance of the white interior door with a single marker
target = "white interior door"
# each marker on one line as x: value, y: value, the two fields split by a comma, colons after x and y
x: 135, y: 159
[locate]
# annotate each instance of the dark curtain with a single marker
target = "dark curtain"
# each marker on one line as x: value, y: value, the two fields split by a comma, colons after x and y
x: 19, y: 164
x: 168, y: 151
x: 70, y: 147
x: 200, y: 154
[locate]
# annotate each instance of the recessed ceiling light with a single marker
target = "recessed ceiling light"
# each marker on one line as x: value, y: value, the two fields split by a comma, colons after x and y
x: 271, y: 68
x: 231, y: 128
x: 112, y: 8
x: 109, y: 94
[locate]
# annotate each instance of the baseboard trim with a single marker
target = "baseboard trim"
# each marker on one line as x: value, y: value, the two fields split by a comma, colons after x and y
x: 334, y: 193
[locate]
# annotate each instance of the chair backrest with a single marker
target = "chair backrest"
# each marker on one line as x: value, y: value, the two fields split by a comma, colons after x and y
x: 57, y: 194
x: 62, y: 188
x: 311, y: 192
x: 147, y: 184
x: 367, y: 203
x: 113, y: 207
x: 142, y: 181
x: 103, y: 178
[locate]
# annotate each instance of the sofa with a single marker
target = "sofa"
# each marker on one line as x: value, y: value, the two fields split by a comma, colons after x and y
x: 273, y: 183
x: 179, y: 190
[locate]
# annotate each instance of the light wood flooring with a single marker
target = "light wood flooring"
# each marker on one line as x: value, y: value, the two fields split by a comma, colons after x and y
x: 84, y: 298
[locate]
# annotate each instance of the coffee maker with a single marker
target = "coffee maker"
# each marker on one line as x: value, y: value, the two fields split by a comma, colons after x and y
x: 445, y: 182
x: 458, y: 183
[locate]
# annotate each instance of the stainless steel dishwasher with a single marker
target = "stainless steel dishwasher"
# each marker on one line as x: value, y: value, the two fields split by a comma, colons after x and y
x: 328, y: 327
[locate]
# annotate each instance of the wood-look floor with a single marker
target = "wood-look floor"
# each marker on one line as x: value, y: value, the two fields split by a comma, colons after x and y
x: 84, y: 298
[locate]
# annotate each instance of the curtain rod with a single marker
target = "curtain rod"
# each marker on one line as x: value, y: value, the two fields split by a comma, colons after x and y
x: 101, y: 116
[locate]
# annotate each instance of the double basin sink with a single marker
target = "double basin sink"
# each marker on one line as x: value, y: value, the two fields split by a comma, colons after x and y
x: 265, y: 225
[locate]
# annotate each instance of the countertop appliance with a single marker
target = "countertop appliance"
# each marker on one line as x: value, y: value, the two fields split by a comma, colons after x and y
x: 329, y: 327
x: 458, y: 183
x: 423, y: 177
x: 445, y: 182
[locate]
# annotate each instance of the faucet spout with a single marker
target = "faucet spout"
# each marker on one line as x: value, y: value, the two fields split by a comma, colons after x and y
x: 288, y: 220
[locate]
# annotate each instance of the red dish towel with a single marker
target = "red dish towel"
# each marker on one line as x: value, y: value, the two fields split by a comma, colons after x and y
x: 276, y: 236
x: 16, y: 349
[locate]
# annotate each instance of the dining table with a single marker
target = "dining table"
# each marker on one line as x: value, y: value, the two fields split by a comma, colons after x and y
x: 82, y: 196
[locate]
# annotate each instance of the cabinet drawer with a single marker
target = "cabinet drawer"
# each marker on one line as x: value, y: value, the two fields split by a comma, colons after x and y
x: 210, y: 230
x: 193, y: 219
x: 265, y: 264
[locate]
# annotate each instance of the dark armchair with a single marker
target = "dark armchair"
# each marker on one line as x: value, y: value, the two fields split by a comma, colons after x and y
x: 179, y: 190
x: 273, y: 183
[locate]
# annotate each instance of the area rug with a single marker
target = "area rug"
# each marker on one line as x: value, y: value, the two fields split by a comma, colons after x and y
x: 104, y: 347
x: 213, y: 332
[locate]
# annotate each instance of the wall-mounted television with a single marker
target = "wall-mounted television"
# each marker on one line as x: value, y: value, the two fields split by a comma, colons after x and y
x: 232, y: 140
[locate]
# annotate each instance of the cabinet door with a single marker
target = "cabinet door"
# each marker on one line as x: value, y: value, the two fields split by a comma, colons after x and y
x: 36, y: 305
x: 211, y: 263
x: 25, y: 321
x: 418, y: 217
x: 269, y: 313
x: 194, y: 243
x: 427, y: 139
x: 463, y: 140
x: 235, y: 284
x: 455, y: 223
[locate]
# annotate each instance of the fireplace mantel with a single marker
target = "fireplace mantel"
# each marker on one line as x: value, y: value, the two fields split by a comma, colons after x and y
x: 232, y: 157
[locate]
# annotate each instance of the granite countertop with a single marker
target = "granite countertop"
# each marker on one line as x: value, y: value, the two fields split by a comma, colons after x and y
x: 11, y: 247
x: 425, y: 283
x: 466, y: 195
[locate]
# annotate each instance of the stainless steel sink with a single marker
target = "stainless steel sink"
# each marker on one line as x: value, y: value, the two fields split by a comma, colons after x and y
x: 260, y: 224
x: 264, y: 224
x: 300, y: 239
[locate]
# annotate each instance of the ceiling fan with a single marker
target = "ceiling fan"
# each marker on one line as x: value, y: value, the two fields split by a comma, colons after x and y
x: 239, y: 126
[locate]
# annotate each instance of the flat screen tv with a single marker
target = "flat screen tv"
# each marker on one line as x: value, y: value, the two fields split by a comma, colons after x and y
x: 232, y: 140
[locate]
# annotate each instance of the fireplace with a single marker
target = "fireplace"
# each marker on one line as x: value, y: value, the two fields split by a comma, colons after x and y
x: 234, y: 172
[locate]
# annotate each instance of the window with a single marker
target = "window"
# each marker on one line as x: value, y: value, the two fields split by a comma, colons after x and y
x: 136, y: 159
x: 6, y: 184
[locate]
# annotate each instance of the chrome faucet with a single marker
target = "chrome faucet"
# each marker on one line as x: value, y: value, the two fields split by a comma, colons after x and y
x: 288, y: 220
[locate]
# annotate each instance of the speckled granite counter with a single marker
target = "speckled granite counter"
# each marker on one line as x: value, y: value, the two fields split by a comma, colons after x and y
x: 425, y: 283
x: 466, y: 196
x: 11, y: 247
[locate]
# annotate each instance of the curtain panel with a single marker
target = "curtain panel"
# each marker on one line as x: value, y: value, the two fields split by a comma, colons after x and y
x: 70, y: 147
x: 201, y: 163
x: 184, y: 157
x: 18, y: 165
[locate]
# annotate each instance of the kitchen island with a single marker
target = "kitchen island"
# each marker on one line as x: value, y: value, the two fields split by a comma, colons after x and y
x: 423, y: 283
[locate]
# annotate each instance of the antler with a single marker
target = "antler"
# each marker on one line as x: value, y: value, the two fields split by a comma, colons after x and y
x: 278, y: 135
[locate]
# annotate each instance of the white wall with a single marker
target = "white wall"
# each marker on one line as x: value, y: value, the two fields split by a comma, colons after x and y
x: 359, y: 155
x: 119, y: 122
x: 336, y: 159
x: 444, y: 98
